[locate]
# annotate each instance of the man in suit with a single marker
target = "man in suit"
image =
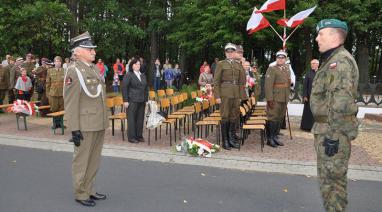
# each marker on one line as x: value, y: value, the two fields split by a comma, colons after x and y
x: 135, y: 96
x: 85, y: 111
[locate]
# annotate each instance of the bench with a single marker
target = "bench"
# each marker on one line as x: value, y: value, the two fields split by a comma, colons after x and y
x: 60, y: 115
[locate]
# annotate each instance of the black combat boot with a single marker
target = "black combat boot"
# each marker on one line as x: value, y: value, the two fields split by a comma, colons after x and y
x: 224, y: 133
x: 232, y: 128
x: 277, y: 132
x: 231, y: 138
x: 270, y: 134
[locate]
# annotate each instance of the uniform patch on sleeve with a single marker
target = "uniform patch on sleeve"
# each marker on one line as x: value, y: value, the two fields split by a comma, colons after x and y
x: 68, y: 81
x: 333, y: 65
x: 267, y: 75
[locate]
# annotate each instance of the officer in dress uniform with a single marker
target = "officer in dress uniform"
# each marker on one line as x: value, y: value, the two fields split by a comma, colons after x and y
x: 54, y: 89
x: 332, y: 102
x: 228, y: 82
x: 277, y: 82
x: 87, y: 118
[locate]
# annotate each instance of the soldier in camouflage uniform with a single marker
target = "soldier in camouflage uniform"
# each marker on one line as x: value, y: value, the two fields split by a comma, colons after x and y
x: 277, y: 82
x: 229, y: 79
x: 334, y: 110
x: 54, y: 89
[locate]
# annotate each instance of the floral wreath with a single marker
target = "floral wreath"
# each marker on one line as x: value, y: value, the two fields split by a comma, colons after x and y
x: 22, y: 106
x: 197, y: 147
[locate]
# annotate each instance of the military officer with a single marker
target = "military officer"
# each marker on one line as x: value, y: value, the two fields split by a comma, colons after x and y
x: 54, y: 89
x: 41, y: 73
x: 332, y: 102
x: 14, y: 73
x: 256, y: 74
x: 277, y: 82
x: 240, y: 59
x: 4, y: 84
x: 87, y: 118
x: 29, y: 65
x: 228, y: 83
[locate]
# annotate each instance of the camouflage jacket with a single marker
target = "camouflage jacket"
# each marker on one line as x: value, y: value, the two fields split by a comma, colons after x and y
x: 333, y: 96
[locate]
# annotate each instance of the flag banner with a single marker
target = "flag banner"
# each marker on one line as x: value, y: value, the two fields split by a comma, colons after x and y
x: 272, y: 5
x: 299, y: 17
x: 256, y: 22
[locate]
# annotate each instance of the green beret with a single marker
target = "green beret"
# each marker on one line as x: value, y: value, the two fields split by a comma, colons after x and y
x: 332, y: 23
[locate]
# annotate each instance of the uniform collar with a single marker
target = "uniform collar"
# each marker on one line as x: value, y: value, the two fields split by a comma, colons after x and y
x: 327, y: 54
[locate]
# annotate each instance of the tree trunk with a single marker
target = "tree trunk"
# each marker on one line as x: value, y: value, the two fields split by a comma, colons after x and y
x: 154, y: 54
x: 363, y: 60
x: 73, y: 7
x: 379, y: 70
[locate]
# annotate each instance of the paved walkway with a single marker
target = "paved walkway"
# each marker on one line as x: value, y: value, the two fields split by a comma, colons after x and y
x: 296, y: 157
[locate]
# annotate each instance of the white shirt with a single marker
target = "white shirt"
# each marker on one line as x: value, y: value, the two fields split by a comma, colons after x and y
x: 138, y: 74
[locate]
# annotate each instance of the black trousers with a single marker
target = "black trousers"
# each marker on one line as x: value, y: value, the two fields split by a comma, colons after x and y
x: 135, y: 117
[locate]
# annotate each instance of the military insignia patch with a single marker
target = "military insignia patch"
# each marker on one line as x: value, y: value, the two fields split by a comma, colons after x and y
x: 333, y: 65
x: 68, y: 81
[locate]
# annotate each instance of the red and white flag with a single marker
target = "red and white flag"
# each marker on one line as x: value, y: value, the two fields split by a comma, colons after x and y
x: 297, y: 19
x: 256, y: 22
x: 272, y: 5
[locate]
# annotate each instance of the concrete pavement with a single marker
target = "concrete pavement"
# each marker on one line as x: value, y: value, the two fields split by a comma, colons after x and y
x: 37, y: 180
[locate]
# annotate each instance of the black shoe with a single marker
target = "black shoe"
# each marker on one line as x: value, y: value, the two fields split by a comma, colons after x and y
x: 140, y: 139
x: 98, y: 196
x: 134, y: 141
x: 278, y: 142
x: 88, y: 203
x: 271, y: 143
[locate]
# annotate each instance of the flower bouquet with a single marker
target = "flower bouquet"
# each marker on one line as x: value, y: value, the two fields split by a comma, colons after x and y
x: 197, y: 147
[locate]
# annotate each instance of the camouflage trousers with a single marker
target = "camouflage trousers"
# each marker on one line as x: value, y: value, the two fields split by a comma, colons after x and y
x: 332, y: 173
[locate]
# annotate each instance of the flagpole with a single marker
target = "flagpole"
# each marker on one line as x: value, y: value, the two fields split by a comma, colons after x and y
x: 284, y: 40
x: 292, y: 33
x: 276, y: 31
